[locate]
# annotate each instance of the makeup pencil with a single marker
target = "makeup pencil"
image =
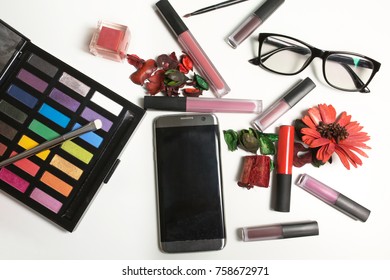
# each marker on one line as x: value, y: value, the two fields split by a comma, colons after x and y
x: 214, y: 7
x: 94, y: 125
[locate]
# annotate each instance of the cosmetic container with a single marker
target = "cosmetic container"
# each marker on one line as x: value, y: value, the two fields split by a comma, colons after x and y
x: 202, y: 105
x: 284, y: 164
x: 253, y: 21
x: 281, y: 106
x: 193, y: 49
x: 110, y: 40
x: 279, y: 231
x: 333, y: 198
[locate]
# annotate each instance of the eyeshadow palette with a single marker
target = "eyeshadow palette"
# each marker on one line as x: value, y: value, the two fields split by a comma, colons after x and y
x: 41, y: 98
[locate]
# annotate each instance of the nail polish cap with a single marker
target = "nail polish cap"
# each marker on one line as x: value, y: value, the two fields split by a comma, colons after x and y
x: 268, y: 8
x: 300, y: 229
x: 171, y: 17
x: 299, y: 91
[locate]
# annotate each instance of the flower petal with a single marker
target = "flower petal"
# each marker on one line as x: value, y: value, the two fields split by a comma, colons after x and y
x: 319, y: 142
x: 315, y: 115
x: 307, y: 120
x: 344, y: 119
x: 328, y: 113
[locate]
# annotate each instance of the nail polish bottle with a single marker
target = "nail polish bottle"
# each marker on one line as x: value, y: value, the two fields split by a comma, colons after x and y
x: 110, y: 41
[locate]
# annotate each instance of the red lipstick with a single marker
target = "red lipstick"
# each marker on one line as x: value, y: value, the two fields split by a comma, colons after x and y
x: 284, y: 161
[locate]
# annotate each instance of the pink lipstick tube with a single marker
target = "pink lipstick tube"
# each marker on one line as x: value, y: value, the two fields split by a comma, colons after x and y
x: 285, y: 103
x: 202, y: 105
x: 253, y: 21
x: 279, y: 231
x: 333, y: 198
x: 193, y: 49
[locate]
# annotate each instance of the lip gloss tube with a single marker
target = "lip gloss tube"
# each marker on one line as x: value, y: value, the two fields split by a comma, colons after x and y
x: 333, y: 198
x: 285, y: 103
x: 284, y: 163
x: 280, y: 231
x: 246, y: 28
x: 193, y: 49
x: 202, y: 105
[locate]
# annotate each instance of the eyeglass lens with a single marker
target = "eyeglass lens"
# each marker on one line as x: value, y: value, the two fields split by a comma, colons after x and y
x: 342, y: 70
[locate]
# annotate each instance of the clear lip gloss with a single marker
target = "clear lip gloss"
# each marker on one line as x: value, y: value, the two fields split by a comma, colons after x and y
x: 245, y: 29
x: 193, y: 49
x: 203, y: 105
x: 280, y: 231
x: 285, y: 103
x: 333, y: 198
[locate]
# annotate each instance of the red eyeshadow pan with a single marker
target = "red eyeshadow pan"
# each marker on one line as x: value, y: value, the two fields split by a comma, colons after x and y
x: 26, y: 165
x: 3, y: 148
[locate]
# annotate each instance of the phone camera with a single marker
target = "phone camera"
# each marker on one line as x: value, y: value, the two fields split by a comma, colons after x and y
x: 203, y: 119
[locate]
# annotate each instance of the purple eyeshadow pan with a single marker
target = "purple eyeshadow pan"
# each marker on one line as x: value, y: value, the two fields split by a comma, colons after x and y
x: 46, y: 200
x: 91, y: 115
x: 32, y: 80
x: 64, y: 99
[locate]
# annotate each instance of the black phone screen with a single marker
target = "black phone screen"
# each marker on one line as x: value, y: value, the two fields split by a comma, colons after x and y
x: 189, y: 183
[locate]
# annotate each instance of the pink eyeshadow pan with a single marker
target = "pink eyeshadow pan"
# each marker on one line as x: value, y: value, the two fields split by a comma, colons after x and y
x: 46, y: 200
x: 13, y: 180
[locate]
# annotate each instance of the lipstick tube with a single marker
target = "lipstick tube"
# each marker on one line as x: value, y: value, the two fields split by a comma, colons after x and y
x: 280, y: 231
x: 193, y: 49
x: 284, y: 161
x: 202, y: 105
x: 246, y: 28
x: 333, y: 198
x: 285, y: 103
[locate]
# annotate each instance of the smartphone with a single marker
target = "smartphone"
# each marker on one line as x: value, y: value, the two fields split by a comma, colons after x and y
x: 189, y: 183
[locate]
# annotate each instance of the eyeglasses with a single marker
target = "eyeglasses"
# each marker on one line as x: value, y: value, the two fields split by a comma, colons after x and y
x: 288, y: 56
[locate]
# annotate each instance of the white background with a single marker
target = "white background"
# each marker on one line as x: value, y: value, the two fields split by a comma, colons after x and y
x: 122, y: 221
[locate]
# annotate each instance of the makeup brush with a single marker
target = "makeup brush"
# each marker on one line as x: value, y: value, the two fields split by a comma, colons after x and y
x: 94, y: 125
x: 214, y: 7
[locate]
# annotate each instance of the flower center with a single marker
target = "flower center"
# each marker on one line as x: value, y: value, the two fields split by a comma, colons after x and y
x: 332, y: 131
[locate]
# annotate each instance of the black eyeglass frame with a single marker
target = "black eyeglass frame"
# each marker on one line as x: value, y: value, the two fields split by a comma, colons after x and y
x: 323, y: 54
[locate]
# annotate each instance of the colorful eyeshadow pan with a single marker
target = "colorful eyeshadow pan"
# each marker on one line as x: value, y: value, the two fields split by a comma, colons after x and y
x: 7, y: 131
x: 26, y: 165
x: 67, y: 167
x: 54, y: 115
x: 28, y: 143
x: 43, y: 130
x: 42, y: 65
x: 13, y: 180
x: 3, y: 148
x: 46, y: 200
x: 22, y: 96
x: 56, y: 183
x: 77, y: 151
x: 74, y: 84
x: 91, y: 115
x: 105, y: 102
x: 12, y: 111
x: 90, y: 137
x: 64, y: 99
x: 32, y: 80
x: 43, y: 98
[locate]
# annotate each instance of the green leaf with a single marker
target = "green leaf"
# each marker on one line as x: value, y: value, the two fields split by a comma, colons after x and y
x: 201, y: 83
x: 267, y: 147
x: 231, y: 139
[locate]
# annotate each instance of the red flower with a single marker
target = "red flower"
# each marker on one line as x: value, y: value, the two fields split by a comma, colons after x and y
x: 334, y: 135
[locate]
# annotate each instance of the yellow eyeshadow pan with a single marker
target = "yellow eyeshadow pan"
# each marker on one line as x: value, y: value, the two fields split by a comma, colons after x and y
x: 27, y: 143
